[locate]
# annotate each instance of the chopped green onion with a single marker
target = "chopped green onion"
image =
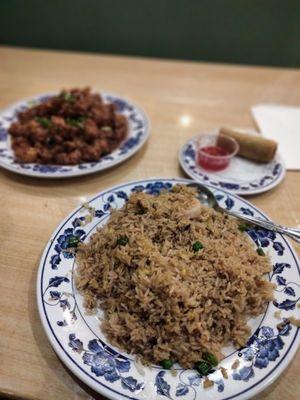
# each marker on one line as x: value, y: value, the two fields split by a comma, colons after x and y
x: 71, y: 121
x: 122, y: 240
x: 44, y: 122
x: 166, y: 364
x: 243, y: 227
x: 78, y: 122
x: 260, y: 251
x: 73, y: 241
x: 197, y: 246
x: 140, y: 208
x: 211, y: 358
x: 106, y: 128
x: 68, y: 97
x: 141, y: 212
x: 203, y: 367
x: 31, y: 103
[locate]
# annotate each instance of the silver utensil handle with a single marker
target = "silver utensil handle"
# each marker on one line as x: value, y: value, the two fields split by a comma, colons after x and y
x: 290, y: 232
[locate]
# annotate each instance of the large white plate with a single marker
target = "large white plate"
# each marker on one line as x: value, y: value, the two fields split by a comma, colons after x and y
x: 79, y: 342
x: 138, y: 124
x: 243, y: 177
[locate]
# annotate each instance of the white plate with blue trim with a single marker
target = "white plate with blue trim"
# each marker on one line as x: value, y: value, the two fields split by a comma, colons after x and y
x: 138, y: 133
x: 77, y: 338
x: 242, y: 176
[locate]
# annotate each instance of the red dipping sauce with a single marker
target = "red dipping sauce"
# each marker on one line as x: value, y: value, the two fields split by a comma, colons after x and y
x: 213, y: 158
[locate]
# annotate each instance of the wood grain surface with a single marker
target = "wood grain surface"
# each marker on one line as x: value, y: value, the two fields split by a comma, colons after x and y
x: 181, y: 99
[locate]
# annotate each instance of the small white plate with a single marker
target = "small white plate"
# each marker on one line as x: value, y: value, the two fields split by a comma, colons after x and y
x: 79, y: 342
x: 243, y: 177
x: 138, y: 133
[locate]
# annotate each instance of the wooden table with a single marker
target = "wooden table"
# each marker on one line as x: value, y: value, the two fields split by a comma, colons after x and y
x: 181, y: 98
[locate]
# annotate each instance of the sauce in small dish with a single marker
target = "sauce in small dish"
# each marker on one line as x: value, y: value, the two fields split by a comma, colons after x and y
x: 214, y: 152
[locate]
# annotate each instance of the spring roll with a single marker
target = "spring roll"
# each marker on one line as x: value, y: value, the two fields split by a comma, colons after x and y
x: 253, y: 147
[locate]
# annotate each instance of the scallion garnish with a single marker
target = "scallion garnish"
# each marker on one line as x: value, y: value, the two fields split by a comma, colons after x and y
x: 77, y: 122
x: 197, y: 246
x: 73, y: 241
x: 122, y: 240
x: 260, y: 251
x: 68, y: 97
x: 167, y: 364
x: 203, y: 367
x: 211, y: 358
x: 44, y: 122
x: 106, y: 128
x: 243, y: 227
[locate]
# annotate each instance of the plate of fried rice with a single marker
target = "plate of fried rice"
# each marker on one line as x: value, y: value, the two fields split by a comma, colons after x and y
x: 145, y: 293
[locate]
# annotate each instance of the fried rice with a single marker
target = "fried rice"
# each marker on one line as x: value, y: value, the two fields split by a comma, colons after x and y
x: 174, y: 278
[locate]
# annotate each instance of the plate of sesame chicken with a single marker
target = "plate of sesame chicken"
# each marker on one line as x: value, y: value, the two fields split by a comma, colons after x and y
x: 75, y: 132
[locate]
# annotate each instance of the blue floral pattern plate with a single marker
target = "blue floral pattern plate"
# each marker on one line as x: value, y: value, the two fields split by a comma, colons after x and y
x: 243, y: 177
x: 79, y: 342
x: 138, y: 133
